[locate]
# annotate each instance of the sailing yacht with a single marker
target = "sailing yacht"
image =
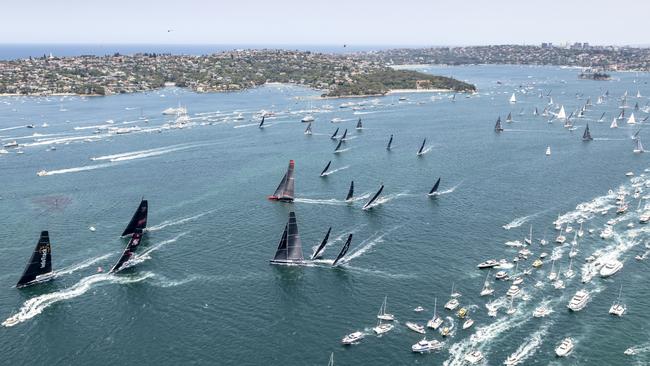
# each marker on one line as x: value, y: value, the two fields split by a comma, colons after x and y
x: 560, y: 238
x: 322, y: 174
x: 285, y: 189
x: 435, y: 321
x: 129, y: 251
x: 562, y: 114
x: 319, y: 250
x: 638, y: 147
x: 421, y: 151
x: 359, y: 125
x: 39, y: 267
x: 308, y: 129
x: 497, y: 126
x: 434, y: 189
x: 343, y: 251
x: 552, y: 275
x: 138, y: 220
x: 368, y: 204
x: 511, y: 309
x: 569, y: 272
x: 586, y: 136
x: 529, y: 239
x: 631, y: 120
x: 453, y: 302
x: 617, y: 307
x: 509, y: 117
x: 513, y: 99
x: 350, y: 195
x: 487, y: 288
x: 613, y: 124
x: 548, y: 151
x: 390, y: 142
x: 383, y: 315
x: 290, y: 247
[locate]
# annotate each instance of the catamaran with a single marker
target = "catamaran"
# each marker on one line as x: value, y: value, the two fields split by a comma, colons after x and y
x: 453, y: 302
x: 434, y: 189
x: 617, y: 307
x: 285, y: 189
x: 290, y: 247
x: 319, y: 250
x: 421, y: 151
x: 435, y: 321
x: 368, y: 204
x: 390, y: 142
x: 382, y: 328
x: 129, y: 251
x: 39, y: 267
x: 497, y: 126
x: 586, y: 136
x: 139, y: 219
x: 343, y: 251
x: 383, y: 315
x: 350, y: 195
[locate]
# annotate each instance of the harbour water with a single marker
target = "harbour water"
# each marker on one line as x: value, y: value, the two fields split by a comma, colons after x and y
x: 203, y: 291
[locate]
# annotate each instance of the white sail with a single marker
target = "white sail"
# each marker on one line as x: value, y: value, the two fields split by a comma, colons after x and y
x: 513, y: 99
x: 562, y: 113
x: 638, y: 148
x: 548, y: 150
x: 631, y: 120
x: 614, y: 124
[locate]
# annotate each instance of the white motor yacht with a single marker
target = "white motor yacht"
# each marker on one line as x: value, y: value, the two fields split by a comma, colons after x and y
x: 468, y: 323
x: 415, y: 327
x: 490, y: 263
x: 579, y: 300
x: 610, y: 268
x: 607, y: 233
x: 382, y: 328
x: 501, y: 275
x: 452, y: 304
x: 513, y: 291
x: 541, y: 312
x: 474, y: 357
x: 564, y: 348
x: 426, y: 346
x: 352, y: 338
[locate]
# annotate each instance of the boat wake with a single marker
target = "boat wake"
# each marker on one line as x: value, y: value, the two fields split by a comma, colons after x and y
x: 641, y: 348
x: 145, y: 254
x: 12, y: 128
x: 331, y: 201
x: 426, y: 151
x: 146, y: 153
x: 530, y: 346
x: 387, y: 198
x: 38, y: 304
x: 335, y: 170
x: 77, y: 169
x: 520, y: 221
x: 180, y: 221
x: 85, y: 264
x: 367, y: 245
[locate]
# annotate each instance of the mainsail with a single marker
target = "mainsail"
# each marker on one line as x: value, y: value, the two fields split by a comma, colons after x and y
x: 322, y: 174
x: 586, y: 136
x: 390, y: 142
x: 497, y: 126
x: 335, y: 133
x: 343, y: 251
x: 422, y: 147
x: 319, y: 251
x: 139, y: 219
x: 345, y: 134
x: 614, y: 124
x: 350, y: 192
x: 509, y: 118
x: 290, y: 248
x: 435, y: 188
x: 284, y: 192
x: 262, y: 123
x: 638, y: 147
x: 338, y: 146
x: 513, y: 99
x: 372, y: 200
x: 129, y: 251
x: 359, y: 126
x: 39, y: 267
x: 562, y: 113
x: 631, y: 120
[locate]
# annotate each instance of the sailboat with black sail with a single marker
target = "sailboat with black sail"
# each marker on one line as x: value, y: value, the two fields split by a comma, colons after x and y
x: 434, y: 189
x: 345, y: 134
x: 129, y: 251
x: 497, y: 126
x: 368, y: 204
x: 39, y: 267
x: 333, y: 137
x: 359, y: 125
x: 421, y: 151
x: 319, y: 250
x: 348, y: 198
x: 322, y: 174
x: 290, y: 247
x: 390, y: 142
x: 139, y: 219
x: 586, y: 136
x: 285, y: 189
x: 262, y: 123
x: 337, y: 149
x: 343, y: 251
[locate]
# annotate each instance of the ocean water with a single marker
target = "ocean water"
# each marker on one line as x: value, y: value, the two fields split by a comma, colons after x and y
x: 202, y: 291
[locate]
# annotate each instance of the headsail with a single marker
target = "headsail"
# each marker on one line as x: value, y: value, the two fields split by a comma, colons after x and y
x: 390, y: 142
x: 129, y: 251
x: 322, y: 174
x: 139, y: 219
x: 435, y: 188
x: 372, y: 200
x: 586, y: 136
x: 39, y: 267
x: 343, y: 251
x: 350, y: 192
x: 262, y: 123
x: 335, y: 133
x: 285, y: 189
x: 359, y: 126
x: 319, y: 251
x: 290, y: 247
x: 422, y: 147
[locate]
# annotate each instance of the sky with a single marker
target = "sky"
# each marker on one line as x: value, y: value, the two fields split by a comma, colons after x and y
x: 325, y: 22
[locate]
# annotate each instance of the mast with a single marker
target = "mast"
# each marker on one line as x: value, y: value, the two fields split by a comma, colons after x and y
x: 350, y: 192
x: 390, y: 142
x: 139, y: 219
x: 335, y: 133
x: 262, y: 123
x: 290, y: 247
x: 321, y: 247
x: 322, y: 174
x: 601, y: 117
x: 129, y: 251
x: 422, y: 147
x: 367, y: 205
x: 40, y: 264
x: 343, y: 251
x: 435, y: 188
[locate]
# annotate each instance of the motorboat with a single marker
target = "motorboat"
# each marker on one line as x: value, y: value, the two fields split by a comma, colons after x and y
x: 513, y: 291
x: 11, y: 144
x: 541, y: 312
x: 645, y: 217
x: 462, y: 313
x: 426, y: 346
x: 445, y: 331
x: 537, y: 263
x: 452, y: 304
x: 415, y: 327
x: 42, y: 173
x: 579, y: 300
x: 558, y: 284
x: 501, y: 275
x: 564, y: 348
x: 490, y: 263
x: 468, y: 323
x: 474, y: 357
x: 610, y: 268
x: 308, y: 118
x: 607, y: 233
x: 418, y: 309
x: 382, y: 328
x: 352, y: 338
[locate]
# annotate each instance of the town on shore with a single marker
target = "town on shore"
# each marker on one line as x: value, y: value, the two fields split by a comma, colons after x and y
x: 336, y: 75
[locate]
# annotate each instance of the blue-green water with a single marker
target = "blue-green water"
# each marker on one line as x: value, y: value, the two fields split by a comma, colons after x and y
x: 203, y: 291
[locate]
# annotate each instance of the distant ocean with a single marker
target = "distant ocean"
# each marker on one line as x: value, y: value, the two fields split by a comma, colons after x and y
x: 17, y: 51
